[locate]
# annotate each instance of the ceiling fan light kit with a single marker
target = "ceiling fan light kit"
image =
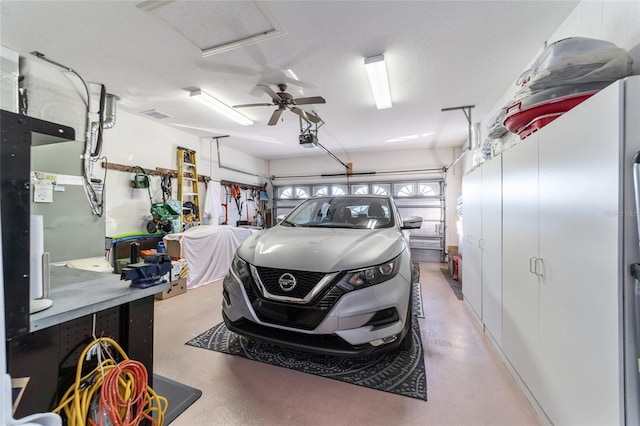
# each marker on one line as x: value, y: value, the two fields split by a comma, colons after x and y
x: 211, y: 102
x: 377, y: 73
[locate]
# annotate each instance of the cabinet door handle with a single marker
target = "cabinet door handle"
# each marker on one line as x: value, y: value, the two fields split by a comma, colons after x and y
x: 481, y: 243
x: 539, y: 266
x: 532, y: 267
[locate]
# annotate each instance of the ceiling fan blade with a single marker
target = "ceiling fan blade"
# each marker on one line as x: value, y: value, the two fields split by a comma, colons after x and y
x: 306, y: 115
x: 275, y: 117
x: 251, y: 105
x: 270, y: 92
x: 309, y: 100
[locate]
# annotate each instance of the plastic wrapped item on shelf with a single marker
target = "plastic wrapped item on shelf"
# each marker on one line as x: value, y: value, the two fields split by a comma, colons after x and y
x: 496, y: 128
x: 536, y: 111
x: 574, y: 60
x: 486, y: 149
x: 558, y: 93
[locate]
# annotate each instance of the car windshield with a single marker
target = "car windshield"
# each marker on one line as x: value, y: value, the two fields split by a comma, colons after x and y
x: 342, y: 212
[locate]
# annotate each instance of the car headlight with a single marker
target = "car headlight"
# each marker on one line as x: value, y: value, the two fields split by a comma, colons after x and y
x: 240, y: 268
x: 370, y: 276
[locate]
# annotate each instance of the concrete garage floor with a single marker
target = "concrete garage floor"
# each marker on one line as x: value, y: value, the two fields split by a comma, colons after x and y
x: 467, y: 382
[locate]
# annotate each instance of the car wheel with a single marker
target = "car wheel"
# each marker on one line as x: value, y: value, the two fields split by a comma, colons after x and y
x: 407, y: 341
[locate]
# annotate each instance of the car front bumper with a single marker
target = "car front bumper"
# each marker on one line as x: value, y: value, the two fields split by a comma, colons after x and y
x: 346, y: 330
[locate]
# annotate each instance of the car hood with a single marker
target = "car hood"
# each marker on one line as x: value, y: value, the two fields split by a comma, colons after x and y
x: 321, y: 249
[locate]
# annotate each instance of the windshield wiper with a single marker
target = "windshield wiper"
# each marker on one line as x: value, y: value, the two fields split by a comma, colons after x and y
x: 330, y: 225
x: 288, y: 222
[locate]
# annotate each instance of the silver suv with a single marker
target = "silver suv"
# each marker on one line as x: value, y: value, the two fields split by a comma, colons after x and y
x: 333, y: 277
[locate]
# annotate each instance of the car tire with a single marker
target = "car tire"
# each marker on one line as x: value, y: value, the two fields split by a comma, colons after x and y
x: 407, y: 341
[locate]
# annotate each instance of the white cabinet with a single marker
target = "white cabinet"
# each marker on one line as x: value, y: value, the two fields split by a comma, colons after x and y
x: 580, y: 193
x: 561, y: 263
x: 471, y: 236
x: 520, y: 252
x: 482, y: 242
x: 491, y: 248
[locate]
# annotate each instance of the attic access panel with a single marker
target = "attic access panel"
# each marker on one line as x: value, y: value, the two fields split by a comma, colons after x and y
x: 216, y: 26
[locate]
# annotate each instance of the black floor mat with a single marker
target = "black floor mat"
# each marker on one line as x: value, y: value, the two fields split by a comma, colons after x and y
x: 455, y: 285
x: 418, y: 307
x: 179, y: 396
x: 401, y: 372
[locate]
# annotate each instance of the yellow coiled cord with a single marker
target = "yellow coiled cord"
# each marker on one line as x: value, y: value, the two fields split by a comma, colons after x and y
x: 124, y: 395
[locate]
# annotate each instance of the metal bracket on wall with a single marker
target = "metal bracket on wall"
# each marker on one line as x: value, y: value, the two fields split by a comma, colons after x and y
x: 467, y: 113
x: 217, y: 139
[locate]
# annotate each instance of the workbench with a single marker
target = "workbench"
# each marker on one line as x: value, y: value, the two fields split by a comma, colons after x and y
x: 85, y: 304
x: 43, y: 349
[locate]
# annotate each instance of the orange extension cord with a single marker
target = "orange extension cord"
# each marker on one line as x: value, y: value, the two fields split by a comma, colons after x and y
x: 124, y: 398
x: 124, y: 394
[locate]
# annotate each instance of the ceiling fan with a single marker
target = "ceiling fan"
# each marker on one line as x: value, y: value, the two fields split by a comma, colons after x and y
x: 284, y: 100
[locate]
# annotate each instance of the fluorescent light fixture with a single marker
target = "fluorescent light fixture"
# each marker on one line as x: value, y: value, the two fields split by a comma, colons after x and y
x: 292, y: 74
x: 409, y: 138
x: 377, y: 72
x: 208, y: 100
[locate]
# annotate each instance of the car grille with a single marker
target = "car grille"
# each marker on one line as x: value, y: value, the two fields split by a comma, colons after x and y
x: 306, y: 281
x: 302, y: 316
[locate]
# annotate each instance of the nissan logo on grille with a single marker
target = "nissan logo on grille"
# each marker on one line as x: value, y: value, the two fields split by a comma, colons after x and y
x: 287, y: 282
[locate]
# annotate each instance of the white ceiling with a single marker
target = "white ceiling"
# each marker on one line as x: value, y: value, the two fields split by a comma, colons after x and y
x: 439, y: 54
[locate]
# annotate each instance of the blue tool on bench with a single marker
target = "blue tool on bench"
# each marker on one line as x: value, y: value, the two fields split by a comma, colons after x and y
x: 148, y: 273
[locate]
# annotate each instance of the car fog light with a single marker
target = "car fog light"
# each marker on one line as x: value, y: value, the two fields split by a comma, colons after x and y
x: 384, y: 340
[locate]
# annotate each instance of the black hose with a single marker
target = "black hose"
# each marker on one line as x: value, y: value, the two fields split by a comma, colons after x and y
x: 101, y: 114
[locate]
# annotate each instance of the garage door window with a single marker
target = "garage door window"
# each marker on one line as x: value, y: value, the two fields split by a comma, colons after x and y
x: 287, y: 193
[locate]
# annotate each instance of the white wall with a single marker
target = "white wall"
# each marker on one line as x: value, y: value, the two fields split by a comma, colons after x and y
x: 136, y: 140
x: 381, y: 162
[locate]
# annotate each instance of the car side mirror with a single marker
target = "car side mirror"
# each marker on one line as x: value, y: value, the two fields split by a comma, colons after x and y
x: 280, y: 218
x: 412, y: 222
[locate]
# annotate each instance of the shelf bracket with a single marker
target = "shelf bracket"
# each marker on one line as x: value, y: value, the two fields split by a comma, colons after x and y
x: 467, y: 113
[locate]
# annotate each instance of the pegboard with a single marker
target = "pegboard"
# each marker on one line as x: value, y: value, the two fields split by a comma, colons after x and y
x: 76, y: 334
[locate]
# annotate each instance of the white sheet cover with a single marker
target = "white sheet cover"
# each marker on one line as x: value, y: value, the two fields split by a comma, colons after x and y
x: 209, y: 251
x: 212, y: 206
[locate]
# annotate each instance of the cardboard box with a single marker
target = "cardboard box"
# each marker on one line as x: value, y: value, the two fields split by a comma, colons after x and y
x: 177, y: 287
x: 173, y: 248
x: 452, y: 250
x: 179, y: 269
